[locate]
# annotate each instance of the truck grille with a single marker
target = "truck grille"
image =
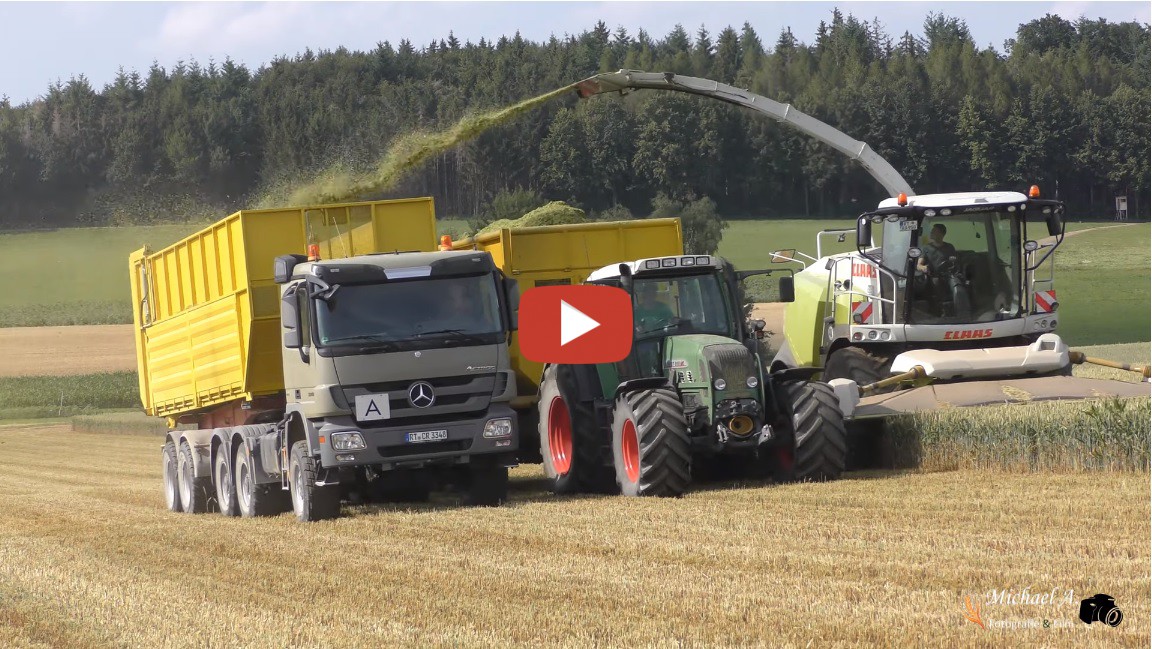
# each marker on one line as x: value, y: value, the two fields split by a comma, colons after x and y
x: 454, y: 395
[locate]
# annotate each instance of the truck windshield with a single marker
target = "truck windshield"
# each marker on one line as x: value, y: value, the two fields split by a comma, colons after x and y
x: 969, y: 271
x: 680, y: 305
x: 451, y: 310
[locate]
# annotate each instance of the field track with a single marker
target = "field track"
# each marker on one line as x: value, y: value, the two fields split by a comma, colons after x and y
x: 88, y: 557
x: 66, y: 351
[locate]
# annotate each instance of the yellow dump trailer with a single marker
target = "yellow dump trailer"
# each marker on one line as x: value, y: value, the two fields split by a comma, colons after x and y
x: 206, y: 309
x: 567, y: 254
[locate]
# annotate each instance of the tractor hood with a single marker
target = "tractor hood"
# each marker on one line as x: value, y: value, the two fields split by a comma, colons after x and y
x: 698, y: 360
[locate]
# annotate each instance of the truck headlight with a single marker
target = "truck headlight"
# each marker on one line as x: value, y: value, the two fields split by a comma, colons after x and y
x: 347, y: 442
x: 720, y: 384
x: 497, y: 428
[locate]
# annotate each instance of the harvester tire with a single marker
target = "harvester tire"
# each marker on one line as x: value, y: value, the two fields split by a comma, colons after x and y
x: 487, y: 483
x: 225, y: 487
x: 196, y: 494
x: 569, y: 437
x: 858, y: 365
x: 651, y: 451
x: 310, y: 502
x: 253, y: 499
x: 171, y: 478
x: 819, y: 443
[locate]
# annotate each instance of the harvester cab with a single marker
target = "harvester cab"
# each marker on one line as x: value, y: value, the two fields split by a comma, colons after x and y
x: 694, y: 386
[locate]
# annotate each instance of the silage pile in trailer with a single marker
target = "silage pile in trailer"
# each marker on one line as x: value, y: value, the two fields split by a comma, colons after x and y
x: 554, y: 213
x: 1094, y: 435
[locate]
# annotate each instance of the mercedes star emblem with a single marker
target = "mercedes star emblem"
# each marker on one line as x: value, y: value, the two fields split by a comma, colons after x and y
x: 421, y: 395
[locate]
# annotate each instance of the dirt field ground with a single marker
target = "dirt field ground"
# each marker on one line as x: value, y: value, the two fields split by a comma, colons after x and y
x: 66, y: 351
x: 88, y: 557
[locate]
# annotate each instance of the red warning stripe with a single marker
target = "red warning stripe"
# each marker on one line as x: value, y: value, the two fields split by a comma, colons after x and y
x: 863, y: 310
x: 1045, y: 300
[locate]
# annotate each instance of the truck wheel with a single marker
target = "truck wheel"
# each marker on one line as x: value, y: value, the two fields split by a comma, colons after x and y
x: 310, y: 502
x: 253, y: 499
x: 858, y: 365
x: 819, y: 446
x: 171, y: 479
x: 225, y: 487
x: 569, y: 437
x: 487, y: 483
x: 650, y: 447
x: 196, y: 494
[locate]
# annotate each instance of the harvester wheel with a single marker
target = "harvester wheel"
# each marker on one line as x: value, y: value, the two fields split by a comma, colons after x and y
x: 225, y: 487
x: 858, y: 365
x: 650, y: 446
x: 196, y: 494
x: 569, y: 437
x: 310, y: 502
x: 253, y: 499
x: 171, y: 479
x: 487, y: 483
x: 819, y: 446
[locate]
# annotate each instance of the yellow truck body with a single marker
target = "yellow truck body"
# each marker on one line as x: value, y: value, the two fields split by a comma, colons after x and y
x: 207, y: 311
x: 567, y: 254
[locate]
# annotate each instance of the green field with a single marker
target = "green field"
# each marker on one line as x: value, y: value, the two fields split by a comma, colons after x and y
x: 82, y: 274
x: 32, y: 397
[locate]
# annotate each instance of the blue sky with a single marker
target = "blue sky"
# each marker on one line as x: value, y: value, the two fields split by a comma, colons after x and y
x: 44, y: 41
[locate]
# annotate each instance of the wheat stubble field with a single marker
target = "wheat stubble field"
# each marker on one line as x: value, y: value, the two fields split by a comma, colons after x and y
x: 89, y: 557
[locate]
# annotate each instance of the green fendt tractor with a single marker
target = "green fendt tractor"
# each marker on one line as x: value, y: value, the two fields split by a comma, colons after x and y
x: 694, y: 387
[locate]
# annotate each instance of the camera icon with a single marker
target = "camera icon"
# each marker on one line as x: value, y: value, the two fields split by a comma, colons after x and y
x: 1101, y: 608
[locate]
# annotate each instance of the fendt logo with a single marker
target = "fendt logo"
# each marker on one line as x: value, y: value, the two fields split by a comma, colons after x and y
x: 967, y: 334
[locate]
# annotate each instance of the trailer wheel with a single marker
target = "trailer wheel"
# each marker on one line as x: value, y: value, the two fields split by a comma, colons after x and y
x: 225, y: 487
x: 171, y: 479
x: 196, y: 494
x: 309, y: 501
x: 487, y: 483
x: 569, y: 437
x: 858, y: 365
x: 253, y: 499
x: 819, y: 448
x: 651, y: 451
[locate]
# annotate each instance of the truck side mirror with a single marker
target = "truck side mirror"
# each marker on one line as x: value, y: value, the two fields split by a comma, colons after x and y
x: 290, y: 321
x: 863, y: 232
x: 787, y: 289
x: 1054, y: 224
x: 512, y: 299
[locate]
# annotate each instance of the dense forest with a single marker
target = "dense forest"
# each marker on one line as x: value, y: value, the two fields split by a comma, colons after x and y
x: 1065, y: 106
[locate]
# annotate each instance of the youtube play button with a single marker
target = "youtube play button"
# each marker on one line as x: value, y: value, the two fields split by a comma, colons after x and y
x: 575, y: 324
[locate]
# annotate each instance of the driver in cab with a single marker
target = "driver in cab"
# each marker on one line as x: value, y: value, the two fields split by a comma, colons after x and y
x: 936, y: 251
x: 650, y: 314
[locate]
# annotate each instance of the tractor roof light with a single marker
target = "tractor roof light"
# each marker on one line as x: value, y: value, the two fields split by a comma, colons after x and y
x: 1011, y: 208
x: 687, y: 261
x: 704, y: 260
x: 668, y: 262
x: 446, y: 242
x: 651, y: 264
x: 946, y: 212
x: 929, y: 213
x: 902, y: 199
x: 1034, y: 191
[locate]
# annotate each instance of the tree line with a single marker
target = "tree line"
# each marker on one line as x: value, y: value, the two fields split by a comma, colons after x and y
x: 1064, y: 106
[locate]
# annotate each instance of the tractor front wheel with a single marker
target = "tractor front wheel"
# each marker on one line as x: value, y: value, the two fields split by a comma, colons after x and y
x: 819, y: 448
x: 650, y: 446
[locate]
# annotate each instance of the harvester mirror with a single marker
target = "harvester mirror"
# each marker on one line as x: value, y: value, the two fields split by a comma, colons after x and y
x: 863, y: 232
x: 781, y: 256
x: 626, y: 278
x: 1055, y: 227
x: 290, y: 320
x: 1031, y: 246
x: 758, y: 328
x: 787, y: 289
x: 512, y: 299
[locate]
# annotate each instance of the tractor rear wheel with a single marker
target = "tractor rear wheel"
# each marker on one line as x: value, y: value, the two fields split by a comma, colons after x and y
x: 858, y: 365
x: 819, y: 446
x: 569, y: 437
x: 651, y: 451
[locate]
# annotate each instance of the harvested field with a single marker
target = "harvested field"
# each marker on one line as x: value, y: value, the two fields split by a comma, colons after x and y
x: 90, y: 558
x: 65, y: 351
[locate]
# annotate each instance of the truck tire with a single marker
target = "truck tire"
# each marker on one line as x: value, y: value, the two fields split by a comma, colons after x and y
x: 253, y: 499
x: 651, y: 451
x: 310, y: 502
x: 487, y: 483
x: 858, y: 365
x: 819, y: 448
x: 569, y: 437
x: 225, y: 486
x: 171, y: 478
x: 196, y: 494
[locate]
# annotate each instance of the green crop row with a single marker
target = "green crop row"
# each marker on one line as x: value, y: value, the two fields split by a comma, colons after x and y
x: 32, y: 397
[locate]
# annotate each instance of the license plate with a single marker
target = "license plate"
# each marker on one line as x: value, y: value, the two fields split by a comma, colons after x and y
x: 426, y: 436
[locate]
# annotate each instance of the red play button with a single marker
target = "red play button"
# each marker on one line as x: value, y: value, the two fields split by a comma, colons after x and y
x: 575, y: 324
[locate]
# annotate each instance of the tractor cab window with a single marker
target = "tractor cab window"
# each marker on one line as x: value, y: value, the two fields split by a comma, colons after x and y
x: 968, y: 271
x: 680, y: 305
